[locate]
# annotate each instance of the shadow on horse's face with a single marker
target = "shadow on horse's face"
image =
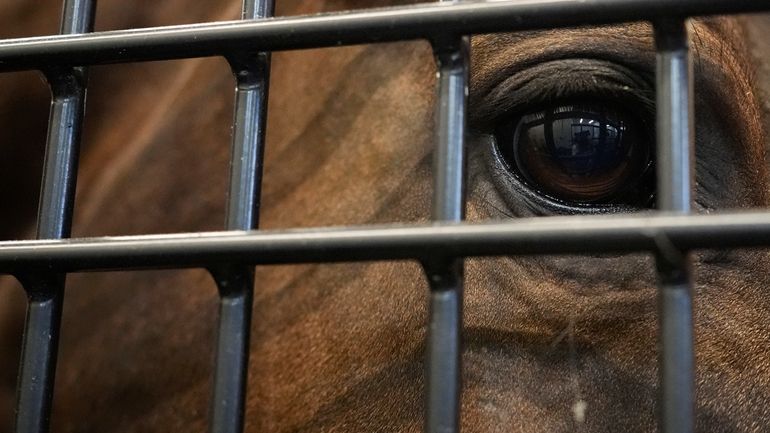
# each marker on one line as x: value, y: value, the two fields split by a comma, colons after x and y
x: 340, y: 347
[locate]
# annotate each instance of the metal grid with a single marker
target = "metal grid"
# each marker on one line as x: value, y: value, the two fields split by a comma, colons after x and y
x: 42, y: 265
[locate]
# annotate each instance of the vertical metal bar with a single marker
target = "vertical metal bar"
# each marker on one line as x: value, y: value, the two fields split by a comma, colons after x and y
x: 445, y: 274
x: 675, y: 173
x: 236, y: 284
x: 45, y: 292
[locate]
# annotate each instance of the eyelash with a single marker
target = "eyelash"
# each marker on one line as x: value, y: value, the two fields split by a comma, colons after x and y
x: 535, y: 87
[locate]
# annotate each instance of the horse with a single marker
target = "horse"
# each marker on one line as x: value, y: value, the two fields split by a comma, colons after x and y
x: 552, y: 343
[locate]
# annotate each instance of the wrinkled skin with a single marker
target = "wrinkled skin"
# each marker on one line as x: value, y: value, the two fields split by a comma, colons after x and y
x: 339, y: 347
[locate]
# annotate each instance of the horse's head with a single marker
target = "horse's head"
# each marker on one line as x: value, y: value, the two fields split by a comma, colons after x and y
x: 552, y: 343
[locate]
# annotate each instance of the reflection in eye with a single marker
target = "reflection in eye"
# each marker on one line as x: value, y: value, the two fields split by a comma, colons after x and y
x: 582, y: 154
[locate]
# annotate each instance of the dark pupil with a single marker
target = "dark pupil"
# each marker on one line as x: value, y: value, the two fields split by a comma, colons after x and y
x: 577, y: 153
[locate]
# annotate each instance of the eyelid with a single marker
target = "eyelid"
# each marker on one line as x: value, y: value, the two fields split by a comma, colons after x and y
x: 571, y: 78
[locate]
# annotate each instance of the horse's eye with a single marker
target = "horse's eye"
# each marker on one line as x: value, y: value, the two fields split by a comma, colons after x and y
x: 581, y: 154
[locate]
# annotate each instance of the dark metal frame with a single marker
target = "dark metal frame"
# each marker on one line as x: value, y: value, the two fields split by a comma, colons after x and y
x: 42, y: 265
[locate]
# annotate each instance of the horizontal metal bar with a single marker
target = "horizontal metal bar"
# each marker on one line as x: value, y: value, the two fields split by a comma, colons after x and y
x: 429, y: 21
x: 554, y: 235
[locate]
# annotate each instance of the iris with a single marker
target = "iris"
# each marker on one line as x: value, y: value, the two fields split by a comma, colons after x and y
x: 581, y: 154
